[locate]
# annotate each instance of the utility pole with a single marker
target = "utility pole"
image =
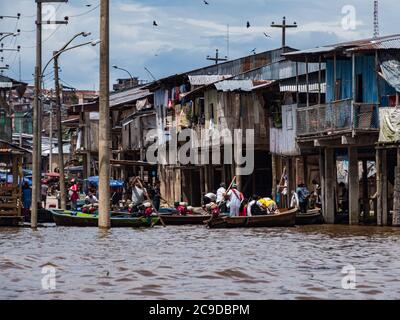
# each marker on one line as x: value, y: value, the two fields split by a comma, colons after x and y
x: 36, y: 135
x: 104, y: 121
x: 217, y: 59
x: 63, y: 200
x: 284, y: 26
x: 51, y: 137
x: 37, y: 152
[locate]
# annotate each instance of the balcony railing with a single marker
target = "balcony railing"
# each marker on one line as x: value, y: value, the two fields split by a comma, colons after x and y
x: 336, y: 116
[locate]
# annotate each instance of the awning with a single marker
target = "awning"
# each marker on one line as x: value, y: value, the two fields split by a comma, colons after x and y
x: 390, y: 125
x: 390, y: 66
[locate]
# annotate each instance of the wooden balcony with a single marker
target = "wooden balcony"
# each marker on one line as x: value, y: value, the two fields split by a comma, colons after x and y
x: 337, y: 117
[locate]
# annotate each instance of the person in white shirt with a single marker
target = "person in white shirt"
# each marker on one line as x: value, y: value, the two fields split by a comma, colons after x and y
x: 138, y: 193
x: 250, y: 205
x: 235, y: 199
x: 220, y: 192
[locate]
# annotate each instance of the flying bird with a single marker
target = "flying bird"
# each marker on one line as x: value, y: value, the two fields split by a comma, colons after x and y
x: 205, y: 2
x: 155, y: 23
x: 248, y: 24
x: 267, y: 35
x: 253, y: 51
x: 88, y: 5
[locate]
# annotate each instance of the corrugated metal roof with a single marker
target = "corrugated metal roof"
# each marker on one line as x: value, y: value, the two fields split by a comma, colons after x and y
x: 234, y: 85
x: 380, y: 45
x: 386, y: 42
x: 201, y: 80
x: 280, y: 70
x: 131, y: 95
x: 231, y: 67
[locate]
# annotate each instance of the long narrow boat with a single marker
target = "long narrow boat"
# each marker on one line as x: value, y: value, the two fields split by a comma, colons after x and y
x: 311, y: 217
x: 180, y: 220
x: 283, y: 219
x: 67, y: 219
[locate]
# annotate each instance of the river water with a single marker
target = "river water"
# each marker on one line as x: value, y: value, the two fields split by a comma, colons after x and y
x: 197, y: 263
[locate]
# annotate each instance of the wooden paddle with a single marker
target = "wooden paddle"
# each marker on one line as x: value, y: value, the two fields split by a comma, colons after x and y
x: 152, y: 204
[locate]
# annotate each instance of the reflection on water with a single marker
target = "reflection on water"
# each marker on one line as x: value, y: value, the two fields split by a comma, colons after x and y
x: 197, y: 263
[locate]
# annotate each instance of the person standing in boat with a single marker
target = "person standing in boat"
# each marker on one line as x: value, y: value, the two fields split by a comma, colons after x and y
x: 235, y: 198
x: 157, y: 195
x: 303, y: 194
x: 138, y: 194
x: 74, y: 194
x: 220, y: 197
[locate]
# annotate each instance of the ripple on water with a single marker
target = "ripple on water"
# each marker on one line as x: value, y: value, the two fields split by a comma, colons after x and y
x: 197, y: 263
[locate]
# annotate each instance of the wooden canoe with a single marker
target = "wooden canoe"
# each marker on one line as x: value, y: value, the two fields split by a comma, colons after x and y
x: 65, y: 219
x: 179, y: 220
x: 311, y: 217
x: 283, y: 219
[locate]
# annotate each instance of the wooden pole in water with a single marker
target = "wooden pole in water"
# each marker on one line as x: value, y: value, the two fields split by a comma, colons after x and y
x: 104, y: 121
x: 396, y: 195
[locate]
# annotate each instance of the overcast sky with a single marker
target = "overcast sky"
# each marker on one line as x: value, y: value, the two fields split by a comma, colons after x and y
x: 188, y: 31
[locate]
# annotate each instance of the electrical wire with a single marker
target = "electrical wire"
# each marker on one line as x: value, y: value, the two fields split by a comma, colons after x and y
x: 43, y: 41
x: 85, y: 13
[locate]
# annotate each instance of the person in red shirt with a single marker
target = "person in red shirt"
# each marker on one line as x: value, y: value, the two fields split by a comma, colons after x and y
x: 74, y: 195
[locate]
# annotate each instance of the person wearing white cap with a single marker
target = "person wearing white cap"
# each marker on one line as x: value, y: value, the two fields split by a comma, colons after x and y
x: 235, y: 198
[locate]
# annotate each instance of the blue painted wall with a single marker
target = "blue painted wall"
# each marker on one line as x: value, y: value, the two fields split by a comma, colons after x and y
x: 365, y: 65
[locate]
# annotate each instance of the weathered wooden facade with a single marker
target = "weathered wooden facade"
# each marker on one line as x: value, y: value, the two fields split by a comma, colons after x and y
x: 133, y: 117
x: 346, y: 127
x: 11, y: 164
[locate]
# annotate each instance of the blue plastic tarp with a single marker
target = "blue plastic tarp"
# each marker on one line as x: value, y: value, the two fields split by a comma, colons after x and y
x: 113, y: 183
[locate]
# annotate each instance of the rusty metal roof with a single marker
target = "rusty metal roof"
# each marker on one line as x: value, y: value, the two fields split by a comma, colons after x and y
x: 314, y: 54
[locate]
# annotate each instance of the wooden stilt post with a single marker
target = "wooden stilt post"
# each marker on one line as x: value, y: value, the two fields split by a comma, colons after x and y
x: 384, y: 189
x: 322, y: 177
x: 354, y: 208
x: 396, y: 195
x: 365, y: 190
x: 274, y: 175
x: 329, y: 212
x: 379, y: 187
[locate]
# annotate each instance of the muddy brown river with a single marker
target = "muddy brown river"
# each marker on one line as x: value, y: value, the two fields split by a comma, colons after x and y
x: 198, y: 263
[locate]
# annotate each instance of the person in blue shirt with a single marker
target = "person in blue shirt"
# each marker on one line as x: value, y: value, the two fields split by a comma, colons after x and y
x: 26, y: 196
x: 303, y: 195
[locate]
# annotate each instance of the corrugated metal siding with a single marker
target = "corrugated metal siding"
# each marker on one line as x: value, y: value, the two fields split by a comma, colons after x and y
x: 280, y: 70
x: 242, y: 65
x: 365, y: 65
x: 283, y: 141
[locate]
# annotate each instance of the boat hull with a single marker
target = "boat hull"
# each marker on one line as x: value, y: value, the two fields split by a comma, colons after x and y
x: 283, y: 219
x: 179, y: 220
x: 309, y: 218
x: 67, y: 220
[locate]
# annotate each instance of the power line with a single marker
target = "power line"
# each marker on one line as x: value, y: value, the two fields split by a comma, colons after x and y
x: 84, y: 13
x: 48, y: 38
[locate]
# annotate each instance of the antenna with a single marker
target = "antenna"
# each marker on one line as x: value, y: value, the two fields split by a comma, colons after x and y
x: 376, y: 19
x: 227, y: 41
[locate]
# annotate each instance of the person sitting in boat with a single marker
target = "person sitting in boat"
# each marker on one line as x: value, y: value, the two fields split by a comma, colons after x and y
x: 213, y: 209
x: 267, y: 206
x: 148, y: 209
x: 209, y: 197
x: 182, y: 208
x: 190, y: 210
x: 252, y: 208
x: 91, y: 204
